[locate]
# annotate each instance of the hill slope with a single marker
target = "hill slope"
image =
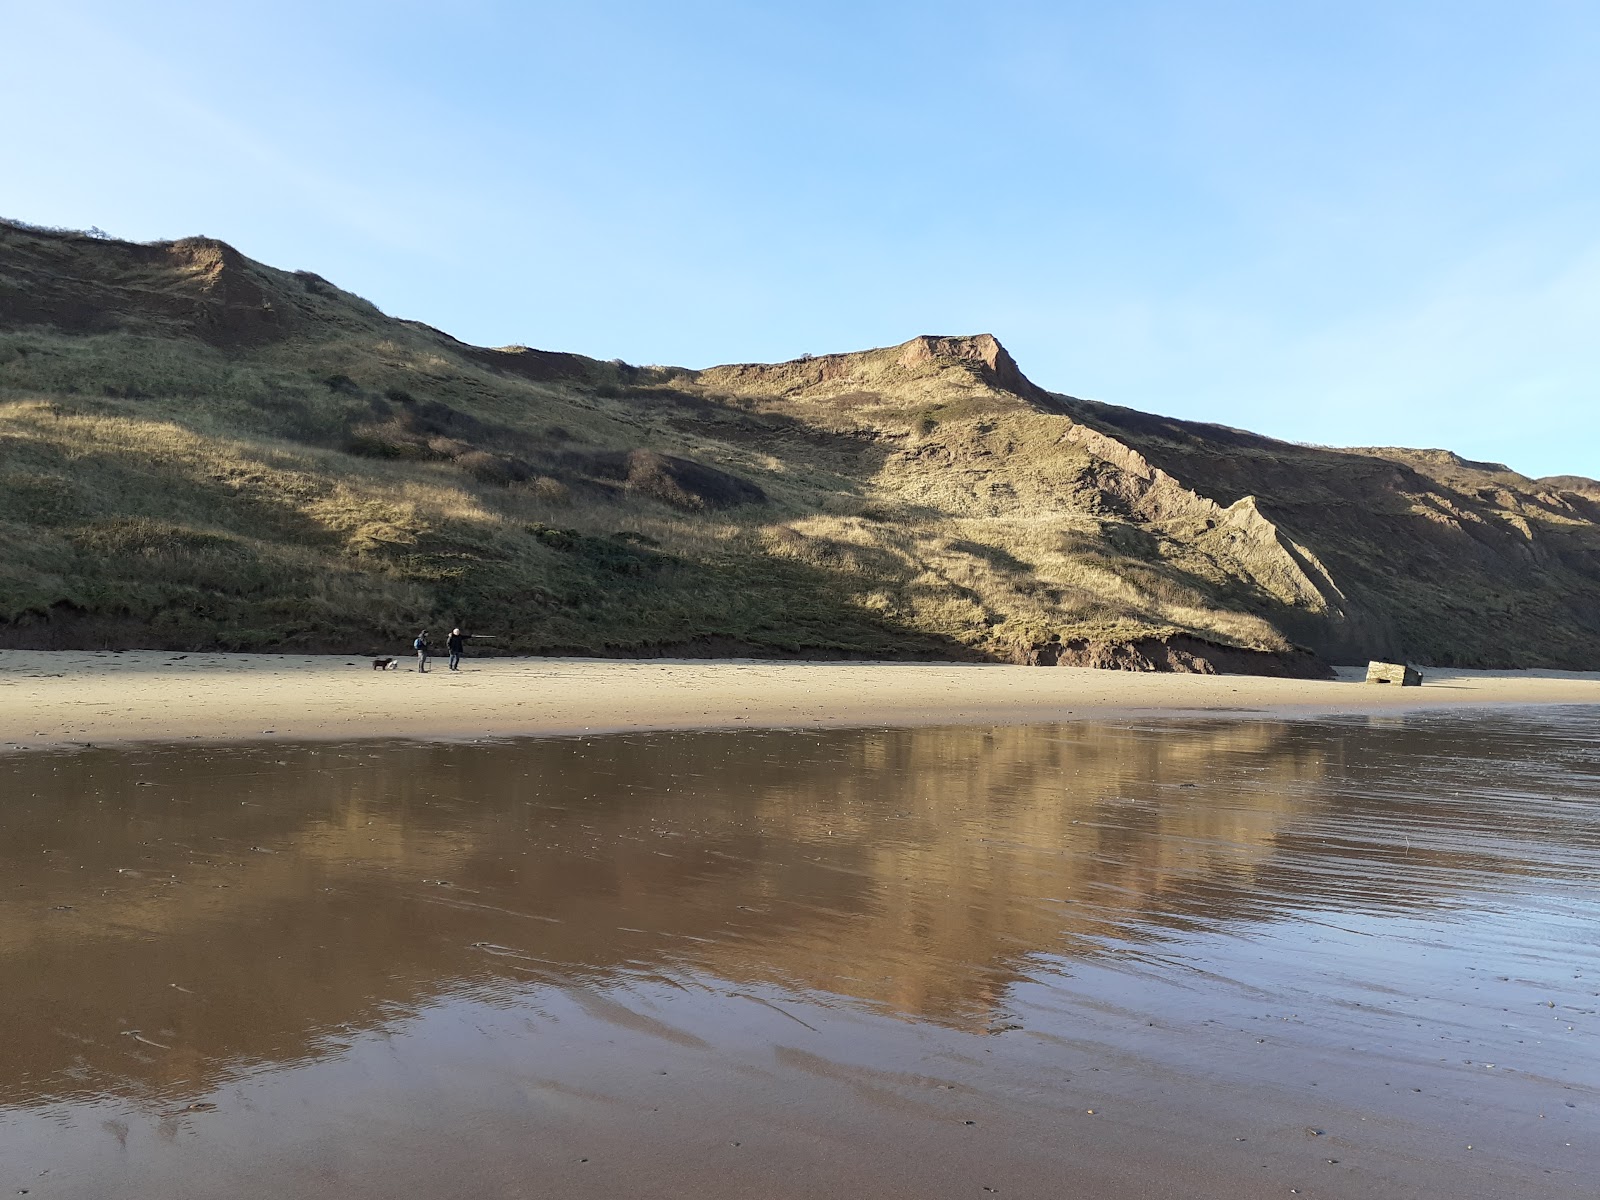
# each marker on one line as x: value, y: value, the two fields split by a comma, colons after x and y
x: 197, y: 450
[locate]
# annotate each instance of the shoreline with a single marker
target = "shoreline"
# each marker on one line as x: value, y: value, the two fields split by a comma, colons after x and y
x: 62, y: 698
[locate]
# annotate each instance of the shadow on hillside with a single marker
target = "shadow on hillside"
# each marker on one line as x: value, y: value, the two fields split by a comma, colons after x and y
x: 1493, y: 572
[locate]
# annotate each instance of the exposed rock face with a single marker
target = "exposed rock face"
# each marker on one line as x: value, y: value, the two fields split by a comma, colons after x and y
x: 195, y: 287
x: 1179, y: 653
x: 982, y: 355
x: 1577, y: 484
x: 1418, y: 554
x: 1281, y: 565
x: 984, y: 350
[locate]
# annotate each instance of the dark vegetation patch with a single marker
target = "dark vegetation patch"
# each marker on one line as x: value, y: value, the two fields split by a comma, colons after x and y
x: 996, y: 556
x: 619, y: 554
x: 43, y: 496
x: 536, y: 366
x: 1130, y: 540
x: 397, y: 425
x: 684, y: 483
x: 610, y: 596
x: 679, y: 482
x: 1172, y: 429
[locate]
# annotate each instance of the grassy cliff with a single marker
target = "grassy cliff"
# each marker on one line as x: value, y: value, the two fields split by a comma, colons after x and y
x: 197, y: 450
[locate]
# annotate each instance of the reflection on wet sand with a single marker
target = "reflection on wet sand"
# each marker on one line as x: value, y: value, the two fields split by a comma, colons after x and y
x: 172, y: 920
x: 901, y: 868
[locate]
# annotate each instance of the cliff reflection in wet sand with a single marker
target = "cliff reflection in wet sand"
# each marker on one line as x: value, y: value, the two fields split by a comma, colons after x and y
x: 1031, y: 922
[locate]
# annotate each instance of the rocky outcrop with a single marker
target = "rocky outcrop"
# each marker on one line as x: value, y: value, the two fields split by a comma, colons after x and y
x: 1579, y: 484
x: 983, y: 351
x: 1178, y: 653
x: 1280, y: 565
x: 1437, y: 558
x: 195, y: 287
x: 980, y: 354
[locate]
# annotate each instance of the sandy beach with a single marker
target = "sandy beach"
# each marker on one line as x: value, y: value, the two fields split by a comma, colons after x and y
x: 76, y: 697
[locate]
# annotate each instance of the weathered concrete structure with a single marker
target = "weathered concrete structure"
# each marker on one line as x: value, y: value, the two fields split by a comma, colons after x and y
x: 1382, y: 672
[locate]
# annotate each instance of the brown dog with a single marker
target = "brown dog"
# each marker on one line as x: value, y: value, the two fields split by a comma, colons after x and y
x: 382, y: 664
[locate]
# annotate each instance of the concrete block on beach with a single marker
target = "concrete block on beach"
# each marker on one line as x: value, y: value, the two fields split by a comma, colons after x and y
x: 1382, y: 672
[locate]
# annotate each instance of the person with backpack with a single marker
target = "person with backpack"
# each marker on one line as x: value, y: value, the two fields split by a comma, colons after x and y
x: 455, y: 643
x: 421, y: 647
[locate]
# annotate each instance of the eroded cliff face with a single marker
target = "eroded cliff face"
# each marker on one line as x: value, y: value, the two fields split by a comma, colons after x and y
x: 1349, y: 553
x: 198, y: 450
x: 1412, y: 554
x: 196, y: 287
x: 1278, y: 564
x: 1084, y: 520
x: 1420, y: 554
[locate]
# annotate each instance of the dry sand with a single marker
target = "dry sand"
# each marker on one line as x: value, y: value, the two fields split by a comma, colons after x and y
x: 73, y: 697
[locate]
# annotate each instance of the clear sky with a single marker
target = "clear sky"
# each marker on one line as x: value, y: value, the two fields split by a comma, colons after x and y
x: 1356, y: 223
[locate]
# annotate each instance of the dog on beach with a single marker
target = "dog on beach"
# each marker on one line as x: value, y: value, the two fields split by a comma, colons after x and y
x: 383, y: 664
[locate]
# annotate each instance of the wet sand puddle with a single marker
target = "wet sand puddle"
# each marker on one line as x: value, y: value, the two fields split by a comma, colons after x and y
x: 1239, y: 958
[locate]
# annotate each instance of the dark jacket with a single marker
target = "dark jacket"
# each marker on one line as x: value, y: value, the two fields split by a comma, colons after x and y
x: 455, y: 643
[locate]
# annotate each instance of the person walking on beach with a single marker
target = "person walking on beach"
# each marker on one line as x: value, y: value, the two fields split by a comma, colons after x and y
x: 421, y: 647
x: 455, y: 643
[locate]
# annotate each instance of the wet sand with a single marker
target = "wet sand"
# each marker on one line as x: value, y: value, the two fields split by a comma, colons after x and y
x: 1231, y: 958
x: 53, y: 697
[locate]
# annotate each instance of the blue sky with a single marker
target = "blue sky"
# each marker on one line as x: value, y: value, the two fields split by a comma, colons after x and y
x: 1353, y: 223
